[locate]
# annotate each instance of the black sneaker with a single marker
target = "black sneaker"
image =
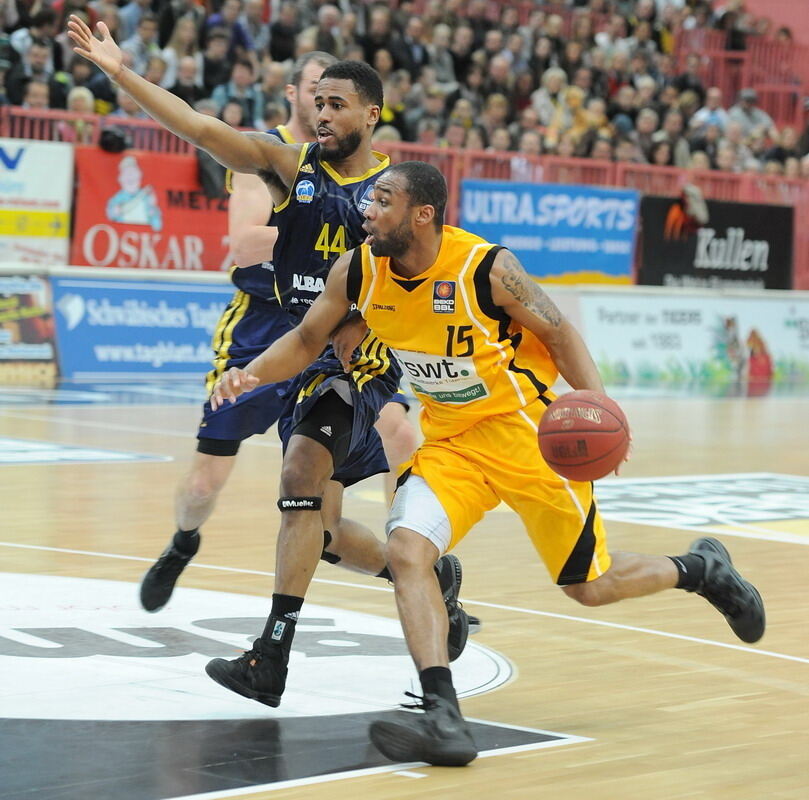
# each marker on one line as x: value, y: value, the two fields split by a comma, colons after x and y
x: 450, y: 574
x: 725, y: 589
x: 158, y: 583
x: 440, y: 736
x: 259, y: 673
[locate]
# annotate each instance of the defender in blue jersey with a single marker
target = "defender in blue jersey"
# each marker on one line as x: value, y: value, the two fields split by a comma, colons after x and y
x: 349, y: 101
x: 252, y: 321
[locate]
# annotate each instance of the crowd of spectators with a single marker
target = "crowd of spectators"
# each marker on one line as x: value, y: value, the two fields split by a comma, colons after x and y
x: 606, y: 86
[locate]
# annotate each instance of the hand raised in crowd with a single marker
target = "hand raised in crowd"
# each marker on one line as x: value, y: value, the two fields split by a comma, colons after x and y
x: 102, y: 52
x: 230, y: 385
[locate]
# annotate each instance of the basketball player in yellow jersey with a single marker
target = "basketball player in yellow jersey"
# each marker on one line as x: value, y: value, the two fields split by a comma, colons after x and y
x: 481, y: 343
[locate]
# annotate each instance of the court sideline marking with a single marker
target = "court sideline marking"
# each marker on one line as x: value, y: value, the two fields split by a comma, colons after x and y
x: 467, y: 601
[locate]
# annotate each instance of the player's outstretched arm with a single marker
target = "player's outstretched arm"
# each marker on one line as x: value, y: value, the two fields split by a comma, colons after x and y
x: 251, y: 239
x: 241, y: 152
x: 525, y: 302
x: 296, y: 350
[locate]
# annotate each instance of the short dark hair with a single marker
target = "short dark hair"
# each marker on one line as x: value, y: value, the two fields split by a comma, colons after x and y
x: 366, y: 80
x: 318, y: 56
x: 425, y: 186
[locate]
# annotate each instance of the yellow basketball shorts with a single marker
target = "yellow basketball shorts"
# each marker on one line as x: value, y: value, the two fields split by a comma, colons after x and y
x: 498, y: 459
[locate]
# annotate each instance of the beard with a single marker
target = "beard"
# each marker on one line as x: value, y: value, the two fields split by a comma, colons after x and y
x: 395, y: 244
x: 343, y: 148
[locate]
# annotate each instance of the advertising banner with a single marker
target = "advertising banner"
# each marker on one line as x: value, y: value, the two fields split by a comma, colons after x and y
x: 742, y: 246
x: 143, y: 209
x: 132, y: 328
x: 561, y: 234
x: 733, y: 345
x: 27, y: 352
x: 36, y: 190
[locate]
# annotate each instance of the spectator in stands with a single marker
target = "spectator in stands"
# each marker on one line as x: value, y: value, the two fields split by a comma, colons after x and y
x: 499, y: 141
x: 773, y: 167
x: 41, y: 29
x: 454, y: 135
x: 672, y: 132
x: 283, y: 32
x: 173, y: 10
x: 5, y: 65
x: 215, y: 62
x: 785, y: 146
x: 274, y: 115
x: 461, y: 49
x: 469, y: 88
x: 325, y: 34
x: 80, y: 100
x: 478, y: 21
x: 618, y: 73
x: 410, y: 50
x: 690, y: 78
x: 496, y: 112
x: 805, y: 167
x: 188, y: 85
x: 627, y: 152
x: 500, y: 79
x: 734, y: 138
x: 36, y: 94
x: 273, y: 82
x: 432, y: 107
x: 622, y: 111
x: 252, y: 20
x: 646, y: 90
x: 661, y: 155
x: 386, y: 133
x: 428, y: 132
x: 34, y: 66
x: 548, y: 98
x: 241, y: 89
x: 570, y: 118
x: 155, y: 70
x: 601, y: 150
x: 708, y: 142
x: 792, y: 168
x: 542, y: 56
x: 379, y: 35
x: 711, y: 113
x: 129, y: 17
x: 440, y: 58
x: 645, y: 127
x: 232, y: 113
x: 384, y: 64
x: 614, y: 38
x: 240, y: 45
x: 476, y: 139
x: 143, y: 44
x: 184, y: 43
x: 699, y: 160
x: 110, y: 16
x: 750, y: 116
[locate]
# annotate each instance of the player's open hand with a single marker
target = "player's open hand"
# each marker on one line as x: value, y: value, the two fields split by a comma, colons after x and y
x: 102, y: 52
x: 230, y: 385
x: 347, y: 338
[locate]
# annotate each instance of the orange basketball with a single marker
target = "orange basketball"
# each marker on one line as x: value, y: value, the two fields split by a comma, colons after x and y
x: 583, y: 435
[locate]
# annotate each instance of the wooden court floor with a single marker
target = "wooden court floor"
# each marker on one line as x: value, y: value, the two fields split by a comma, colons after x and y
x: 667, y: 703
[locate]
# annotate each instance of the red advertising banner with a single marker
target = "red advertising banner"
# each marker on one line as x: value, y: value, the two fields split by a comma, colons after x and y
x: 146, y: 210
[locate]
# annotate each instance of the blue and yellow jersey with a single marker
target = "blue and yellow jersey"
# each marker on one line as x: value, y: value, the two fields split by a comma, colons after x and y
x: 259, y: 279
x: 319, y: 221
x: 465, y: 358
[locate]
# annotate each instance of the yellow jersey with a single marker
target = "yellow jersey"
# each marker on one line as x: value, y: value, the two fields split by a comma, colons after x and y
x: 465, y: 358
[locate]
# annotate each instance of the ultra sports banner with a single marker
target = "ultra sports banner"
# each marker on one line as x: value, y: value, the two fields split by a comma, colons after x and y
x: 146, y: 210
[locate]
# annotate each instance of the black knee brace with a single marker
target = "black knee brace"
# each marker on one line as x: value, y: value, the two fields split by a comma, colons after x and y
x: 300, y: 503
x: 330, y: 557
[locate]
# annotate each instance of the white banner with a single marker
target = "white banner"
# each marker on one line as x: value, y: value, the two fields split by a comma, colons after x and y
x: 36, y: 190
x: 734, y: 344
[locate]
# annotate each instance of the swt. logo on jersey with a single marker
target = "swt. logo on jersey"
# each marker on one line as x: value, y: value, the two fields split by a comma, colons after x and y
x: 305, y: 191
x: 444, y: 297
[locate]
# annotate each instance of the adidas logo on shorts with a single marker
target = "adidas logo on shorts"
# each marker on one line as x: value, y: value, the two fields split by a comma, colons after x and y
x: 326, y: 429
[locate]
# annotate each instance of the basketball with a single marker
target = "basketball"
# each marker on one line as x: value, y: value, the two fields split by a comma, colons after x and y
x: 583, y: 435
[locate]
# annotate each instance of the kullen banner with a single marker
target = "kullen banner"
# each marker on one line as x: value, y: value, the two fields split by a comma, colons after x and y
x: 741, y: 246
x: 146, y: 210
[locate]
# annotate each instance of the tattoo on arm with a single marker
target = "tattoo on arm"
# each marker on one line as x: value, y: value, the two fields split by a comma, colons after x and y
x: 517, y: 283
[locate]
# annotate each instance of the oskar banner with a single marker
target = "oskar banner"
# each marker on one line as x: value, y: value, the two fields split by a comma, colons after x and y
x: 141, y: 209
x: 741, y: 245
